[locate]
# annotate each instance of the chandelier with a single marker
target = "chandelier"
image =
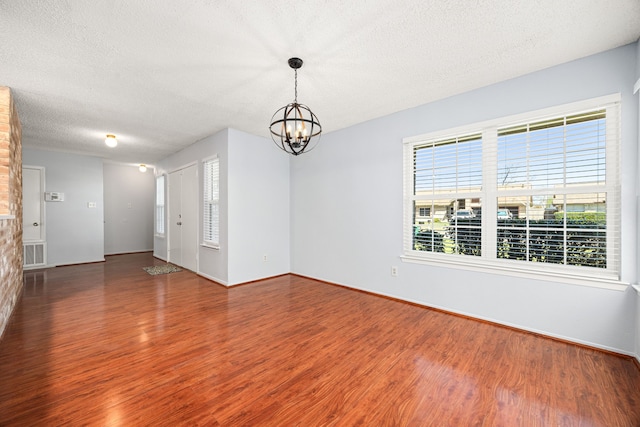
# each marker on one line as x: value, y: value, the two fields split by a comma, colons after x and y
x: 294, y: 128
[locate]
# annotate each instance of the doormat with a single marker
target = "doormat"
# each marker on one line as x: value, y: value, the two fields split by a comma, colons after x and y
x: 161, y: 269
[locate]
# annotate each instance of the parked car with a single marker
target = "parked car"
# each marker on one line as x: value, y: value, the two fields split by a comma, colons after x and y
x: 463, y: 214
x: 504, y: 214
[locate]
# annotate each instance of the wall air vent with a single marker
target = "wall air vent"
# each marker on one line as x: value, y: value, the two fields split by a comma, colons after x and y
x: 34, y: 255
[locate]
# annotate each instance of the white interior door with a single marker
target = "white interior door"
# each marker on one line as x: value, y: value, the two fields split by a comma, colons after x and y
x: 175, y: 218
x: 190, y: 218
x: 183, y: 217
x: 32, y: 204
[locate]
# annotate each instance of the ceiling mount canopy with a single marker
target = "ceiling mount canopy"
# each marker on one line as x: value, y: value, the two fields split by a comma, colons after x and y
x: 294, y: 128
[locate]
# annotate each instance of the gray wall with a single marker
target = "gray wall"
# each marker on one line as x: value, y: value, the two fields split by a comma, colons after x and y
x: 254, y: 207
x: 129, y: 198
x: 638, y: 323
x: 75, y: 232
x: 258, y: 208
x: 637, y: 95
x: 347, y: 210
x: 212, y: 263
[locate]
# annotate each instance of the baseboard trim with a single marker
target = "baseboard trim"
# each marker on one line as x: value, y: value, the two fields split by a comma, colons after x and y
x: 229, y: 285
x: 215, y: 280
x: 261, y: 280
x: 128, y: 252
x: 77, y: 263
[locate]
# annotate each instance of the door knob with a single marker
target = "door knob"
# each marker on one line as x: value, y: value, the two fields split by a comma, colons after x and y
x: 35, y: 224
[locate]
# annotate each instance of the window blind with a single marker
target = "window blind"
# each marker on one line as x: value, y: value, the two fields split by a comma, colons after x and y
x: 448, y: 172
x: 541, y: 192
x: 211, y: 202
x: 554, y: 175
x: 160, y: 190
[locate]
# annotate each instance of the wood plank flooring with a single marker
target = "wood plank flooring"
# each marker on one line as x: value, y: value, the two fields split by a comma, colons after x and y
x: 108, y: 344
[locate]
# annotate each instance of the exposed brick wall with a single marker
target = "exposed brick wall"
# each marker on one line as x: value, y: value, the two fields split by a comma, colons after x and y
x: 10, y: 204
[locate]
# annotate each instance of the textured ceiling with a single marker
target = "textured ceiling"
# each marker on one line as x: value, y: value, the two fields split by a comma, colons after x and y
x: 162, y: 74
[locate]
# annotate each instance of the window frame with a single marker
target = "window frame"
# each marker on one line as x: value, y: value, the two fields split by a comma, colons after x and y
x: 424, y: 211
x: 488, y: 261
x: 210, y: 201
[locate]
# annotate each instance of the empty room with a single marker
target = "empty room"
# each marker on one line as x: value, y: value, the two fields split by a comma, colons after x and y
x: 320, y: 213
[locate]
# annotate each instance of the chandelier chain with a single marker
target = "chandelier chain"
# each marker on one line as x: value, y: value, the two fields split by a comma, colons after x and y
x: 295, y: 99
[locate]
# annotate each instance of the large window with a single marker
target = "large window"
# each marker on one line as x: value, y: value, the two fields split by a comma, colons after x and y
x: 211, y: 202
x: 160, y: 205
x: 536, y: 192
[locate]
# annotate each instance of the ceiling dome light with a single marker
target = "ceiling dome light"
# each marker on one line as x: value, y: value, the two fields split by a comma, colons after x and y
x: 294, y: 126
x: 142, y: 168
x: 111, y: 140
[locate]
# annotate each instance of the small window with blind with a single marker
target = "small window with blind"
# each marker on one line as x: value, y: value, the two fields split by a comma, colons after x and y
x: 211, y: 203
x: 538, y: 194
x: 160, y: 218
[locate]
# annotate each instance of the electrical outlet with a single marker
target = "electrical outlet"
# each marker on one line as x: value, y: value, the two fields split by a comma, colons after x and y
x: 265, y: 258
x: 394, y: 270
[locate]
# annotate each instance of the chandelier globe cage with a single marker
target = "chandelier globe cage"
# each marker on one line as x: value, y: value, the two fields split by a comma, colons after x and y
x: 294, y: 128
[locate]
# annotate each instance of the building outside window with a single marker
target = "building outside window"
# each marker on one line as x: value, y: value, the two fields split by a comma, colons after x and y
x: 424, y: 211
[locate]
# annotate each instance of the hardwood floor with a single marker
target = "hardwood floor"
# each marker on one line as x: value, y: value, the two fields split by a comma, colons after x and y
x: 108, y: 344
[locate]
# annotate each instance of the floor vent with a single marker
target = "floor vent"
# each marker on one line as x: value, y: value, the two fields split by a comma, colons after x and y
x: 34, y: 255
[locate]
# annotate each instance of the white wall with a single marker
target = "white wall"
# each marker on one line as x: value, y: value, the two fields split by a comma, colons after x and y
x: 347, y: 210
x: 637, y: 95
x: 129, y: 198
x: 258, y: 208
x: 637, y: 288
x: 212, y: 263
x: 75, y: 232
x: 254, y: 207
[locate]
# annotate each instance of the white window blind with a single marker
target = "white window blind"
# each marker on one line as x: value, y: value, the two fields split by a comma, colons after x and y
x: 211, y: 202
x: 555, y: 171
x: 447, y: 173
x: 160, y: 190
x: 539, y: 193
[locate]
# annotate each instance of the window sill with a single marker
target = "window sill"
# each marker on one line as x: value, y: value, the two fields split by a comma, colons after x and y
x: 509, y: 269
x: 159, y: 236
x: 214, y: 247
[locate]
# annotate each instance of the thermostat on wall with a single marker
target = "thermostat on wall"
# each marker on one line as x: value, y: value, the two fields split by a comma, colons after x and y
x: 53, y: 196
